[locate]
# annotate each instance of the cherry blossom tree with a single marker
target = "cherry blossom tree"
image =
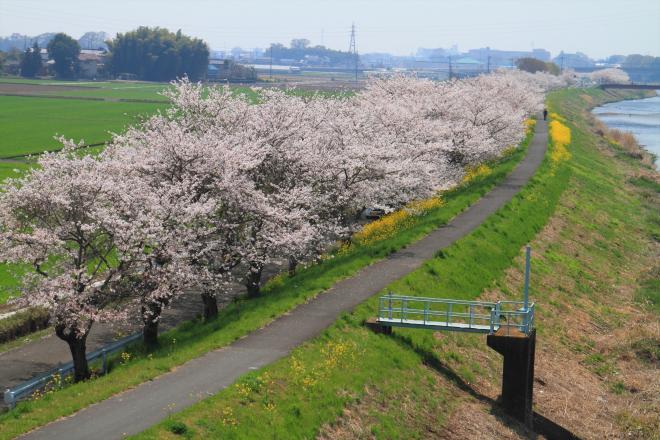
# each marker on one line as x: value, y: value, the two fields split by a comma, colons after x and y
x: 216, y: 187
x: 176, y: 186
x: 610, y: 76
x: 54, y: 219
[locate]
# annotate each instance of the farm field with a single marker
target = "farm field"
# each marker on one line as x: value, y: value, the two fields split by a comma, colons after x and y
x: 28, y: 124
x: 86, y: 89
x: 32, y: 112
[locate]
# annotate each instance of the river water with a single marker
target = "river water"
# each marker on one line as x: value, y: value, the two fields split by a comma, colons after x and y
x: 639, y: 116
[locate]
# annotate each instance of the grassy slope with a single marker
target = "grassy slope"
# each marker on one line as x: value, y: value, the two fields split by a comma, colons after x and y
x: 591, y: 234
x: 193, y: 339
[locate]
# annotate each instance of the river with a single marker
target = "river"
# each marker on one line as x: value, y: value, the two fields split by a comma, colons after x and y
x: 639, y: 116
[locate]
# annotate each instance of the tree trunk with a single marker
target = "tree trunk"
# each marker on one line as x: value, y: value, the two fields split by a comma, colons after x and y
x: 253, y: 280
x: 293, y: 263
x: 78, y: 347
x: 151, y: 318
x: 150, y: 333
x: 210, y: 306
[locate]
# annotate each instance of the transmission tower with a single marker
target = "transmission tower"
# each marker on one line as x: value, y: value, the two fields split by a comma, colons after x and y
x: 353, y: 49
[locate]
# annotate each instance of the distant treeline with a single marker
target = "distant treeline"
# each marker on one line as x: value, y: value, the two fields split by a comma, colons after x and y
x: 156, y: 54
x: 300, y: 50
x: 150, y: 54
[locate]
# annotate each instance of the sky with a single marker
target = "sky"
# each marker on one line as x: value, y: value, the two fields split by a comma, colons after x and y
x: 596, y: 27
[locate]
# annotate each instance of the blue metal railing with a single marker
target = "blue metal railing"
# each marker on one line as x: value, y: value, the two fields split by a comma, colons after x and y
x: 455, y: 315
x: 27, y: 388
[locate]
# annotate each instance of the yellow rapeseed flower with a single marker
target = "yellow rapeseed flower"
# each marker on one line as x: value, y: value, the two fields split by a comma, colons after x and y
x: 475, y: 173
x: 390, y: 224
x: 529, y: 125
x: 560, y: 135
x: 556, y: 117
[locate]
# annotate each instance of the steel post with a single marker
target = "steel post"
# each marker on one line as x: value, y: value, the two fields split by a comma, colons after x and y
x: 10, y: 399
x: 528, y: 258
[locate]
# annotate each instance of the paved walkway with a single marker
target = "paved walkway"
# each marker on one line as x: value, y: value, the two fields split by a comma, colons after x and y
x: 136, y: 410
x: 31, y: 359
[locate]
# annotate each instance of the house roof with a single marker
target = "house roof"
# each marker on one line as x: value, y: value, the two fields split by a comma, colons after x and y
x: 89, y: 57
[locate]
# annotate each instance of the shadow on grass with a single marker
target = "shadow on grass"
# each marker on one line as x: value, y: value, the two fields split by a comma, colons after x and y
x: 542, y: 425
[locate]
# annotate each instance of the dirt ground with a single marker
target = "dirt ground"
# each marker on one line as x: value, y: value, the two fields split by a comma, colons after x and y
x: 37, y: 89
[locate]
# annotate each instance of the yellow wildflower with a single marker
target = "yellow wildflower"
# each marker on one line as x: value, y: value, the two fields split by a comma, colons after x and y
x: 478, y: 172
x: 388, y: 225
x: 560, y: 135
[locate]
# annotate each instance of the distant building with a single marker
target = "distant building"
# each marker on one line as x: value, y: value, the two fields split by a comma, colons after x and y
x: 91, y: 63
x: 506, y: 57
x: 230, y: 71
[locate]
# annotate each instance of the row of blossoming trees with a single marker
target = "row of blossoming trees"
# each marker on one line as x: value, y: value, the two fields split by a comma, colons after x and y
x: 216, y: 187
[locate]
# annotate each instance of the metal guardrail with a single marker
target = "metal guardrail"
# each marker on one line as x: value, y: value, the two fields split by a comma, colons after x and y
x: 455, y: 315
x: 27, y: 388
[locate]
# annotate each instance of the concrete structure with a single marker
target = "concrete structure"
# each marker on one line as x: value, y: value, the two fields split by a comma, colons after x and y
x: 518, y: 350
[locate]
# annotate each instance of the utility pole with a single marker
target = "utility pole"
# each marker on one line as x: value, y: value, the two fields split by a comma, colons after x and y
x: 562, y: 62
x: 353, y: 49
x: 450, y: 72
x: 271, y: 61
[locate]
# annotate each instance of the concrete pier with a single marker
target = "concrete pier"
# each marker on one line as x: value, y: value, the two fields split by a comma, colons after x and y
x: 518, y: 350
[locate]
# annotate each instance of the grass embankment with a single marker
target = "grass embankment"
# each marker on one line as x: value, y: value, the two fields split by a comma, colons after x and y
x: 591, y: 230
x: 283, y: 293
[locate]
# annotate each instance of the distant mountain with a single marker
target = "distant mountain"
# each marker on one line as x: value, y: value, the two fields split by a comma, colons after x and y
x: 90, y: 40
x: 21, y: 42
x: 94, y: 40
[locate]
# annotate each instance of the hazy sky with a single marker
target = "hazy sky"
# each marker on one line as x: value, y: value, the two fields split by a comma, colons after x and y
x: 596, y: 27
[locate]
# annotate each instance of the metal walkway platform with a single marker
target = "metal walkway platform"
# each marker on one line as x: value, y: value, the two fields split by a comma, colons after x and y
x: 455, y: 315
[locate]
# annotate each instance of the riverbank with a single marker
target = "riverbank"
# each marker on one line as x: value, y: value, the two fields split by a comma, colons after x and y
x: 641, y: 117
x: 594, y: 233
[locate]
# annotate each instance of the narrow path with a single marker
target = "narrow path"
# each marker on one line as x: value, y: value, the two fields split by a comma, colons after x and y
x: 33, y: 358
x: 135, y: 410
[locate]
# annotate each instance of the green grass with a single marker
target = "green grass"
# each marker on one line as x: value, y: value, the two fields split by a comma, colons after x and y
x: 194, y: 338
x: 29, y: 124
x: 11, y: 169
x: 8, y: 282
x: 20, y: 80
x: 391, y: 381
x: 391, y: 364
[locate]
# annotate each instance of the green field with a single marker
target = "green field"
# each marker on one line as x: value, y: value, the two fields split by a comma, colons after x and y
x: 28, y: 124
x: 32, y: 112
